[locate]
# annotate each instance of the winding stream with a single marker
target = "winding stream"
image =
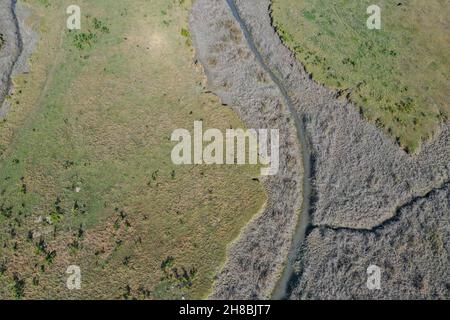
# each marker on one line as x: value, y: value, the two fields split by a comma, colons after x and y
x: 282, y: 288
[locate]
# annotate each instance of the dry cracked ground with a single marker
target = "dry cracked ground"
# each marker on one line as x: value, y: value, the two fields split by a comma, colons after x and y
x: 346, y: 195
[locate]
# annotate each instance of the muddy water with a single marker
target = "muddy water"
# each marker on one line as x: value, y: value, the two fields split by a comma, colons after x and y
x: 282, y: 288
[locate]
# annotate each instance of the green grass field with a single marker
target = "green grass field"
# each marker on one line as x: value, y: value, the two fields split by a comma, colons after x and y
x: 398, y: 76
x: 85, y: 171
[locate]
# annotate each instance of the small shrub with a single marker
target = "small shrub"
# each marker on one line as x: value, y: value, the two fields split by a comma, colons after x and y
x: 19, y: 286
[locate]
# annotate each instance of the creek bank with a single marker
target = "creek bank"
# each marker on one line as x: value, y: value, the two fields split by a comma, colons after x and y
x: 256, y: 258
x: 360, y: 177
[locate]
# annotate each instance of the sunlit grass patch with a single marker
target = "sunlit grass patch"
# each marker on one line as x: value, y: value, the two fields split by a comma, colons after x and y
x: 398, y: 75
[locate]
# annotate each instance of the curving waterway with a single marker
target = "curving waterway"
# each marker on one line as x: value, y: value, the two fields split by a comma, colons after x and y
x: 282, y: 289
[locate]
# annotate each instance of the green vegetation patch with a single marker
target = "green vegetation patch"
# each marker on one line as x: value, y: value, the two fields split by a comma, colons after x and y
x: 84, y: 40
x: 398, y: 75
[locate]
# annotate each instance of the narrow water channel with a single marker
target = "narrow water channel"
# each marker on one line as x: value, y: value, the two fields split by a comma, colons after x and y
x: 282, y: 289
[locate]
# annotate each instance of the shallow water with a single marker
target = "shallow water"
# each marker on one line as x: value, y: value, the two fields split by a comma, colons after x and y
x: 282, y: 288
